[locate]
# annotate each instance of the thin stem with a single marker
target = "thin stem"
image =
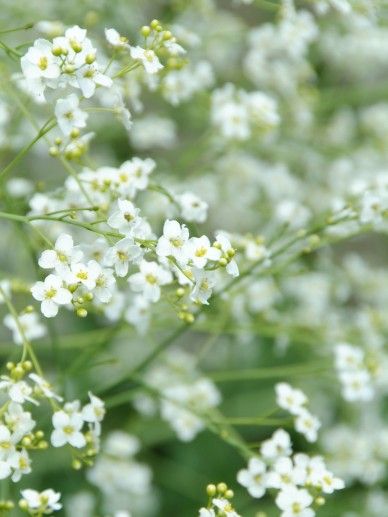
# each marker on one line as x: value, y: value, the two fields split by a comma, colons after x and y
x: 43, y: 131
x: 22, y: 28
x: 27, y: 347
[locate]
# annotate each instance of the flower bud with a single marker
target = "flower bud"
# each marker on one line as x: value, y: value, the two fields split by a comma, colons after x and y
x: 53, y: 151
x: 222, y: 488
x: 76, y: 464
x: 27, y: 366
x: 23, y: 504
x: 145, y: 31
x: 75, y: 132
x: 211, y: 490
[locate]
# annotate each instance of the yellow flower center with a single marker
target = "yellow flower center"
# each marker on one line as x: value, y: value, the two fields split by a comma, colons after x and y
x: 151, y: 279
x: 200, y: 252
x: 50, y: 293
x: 43, y: 63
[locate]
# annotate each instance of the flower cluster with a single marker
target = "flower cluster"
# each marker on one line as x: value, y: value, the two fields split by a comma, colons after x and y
x: 300, y: 479
x: 294, y: 401
x: 353, y: 373
x: 186, y: 399
x: 219, y: 502
x: 225, y: 236
x: 40, y: 503
x: 236, y: 113
x: 67, y: 60
x: 123, y: 481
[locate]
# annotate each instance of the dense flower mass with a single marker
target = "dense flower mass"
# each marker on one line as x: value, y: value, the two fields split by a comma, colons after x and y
x: 193, y: 213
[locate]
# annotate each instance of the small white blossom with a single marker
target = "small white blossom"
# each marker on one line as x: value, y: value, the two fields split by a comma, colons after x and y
x: 52, y: 294
x: 67, y: 429
x: 44, y: 502
x: 173, y: 242
x: 122, y: 254
x: 149, y: 279
x: 254, y: 478
x: 69, y: 115
x: 148, y: 58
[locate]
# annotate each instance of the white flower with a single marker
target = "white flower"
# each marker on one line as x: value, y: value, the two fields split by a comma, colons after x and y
x: 277, y: 446
x: 69, y: 115
x: 19, y: 421
x: 224, y: 506
x: 348, y: 357
x: 226, y: 247
x: 356, y: 386
x: 62, y: 256
x: 18, y: 391
x: 67, y: 429
x: 283, y: 474
x: 7, y: 443
x: 122, y: 254
x: 203, y: 287
x: 39, y: 61
x: 262, y: 109
x: 51, y: 294
x: 21, y: 463
x: 5, y: 469
x: 289, y: 398
x: 19, y: 187
x: 114, y: 39
x: 41, y: 503
x: 126, y: 218
x: 295, y: 502
x: 148, y: 58
x: 121, y: 445
x: 307, y: 424
x: 254, y: 478
x: 149, y: 279
x: 84, y: 274
x: 193, y: 209
x: 89, y: 77
x: 138, y: 314
x: 133, y: 175
x: 28, y: 323
x: 173, y: 242
x: 105, y: 283
x: 94, y: 412
x: 44, y: 387
x: 201, y: 251
x: 326, y: 481
x: 206, y: 512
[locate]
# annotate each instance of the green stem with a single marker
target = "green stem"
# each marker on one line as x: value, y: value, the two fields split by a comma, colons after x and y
x: 27, y: 347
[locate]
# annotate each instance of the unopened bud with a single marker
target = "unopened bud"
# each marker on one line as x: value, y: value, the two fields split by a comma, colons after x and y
x: 81, y: 313
x: 145, y: 31
x: 75, y: 132
x: 76, y: 464
x: 222, y: 488
x: 53, y: 151
x: 211, y: 490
